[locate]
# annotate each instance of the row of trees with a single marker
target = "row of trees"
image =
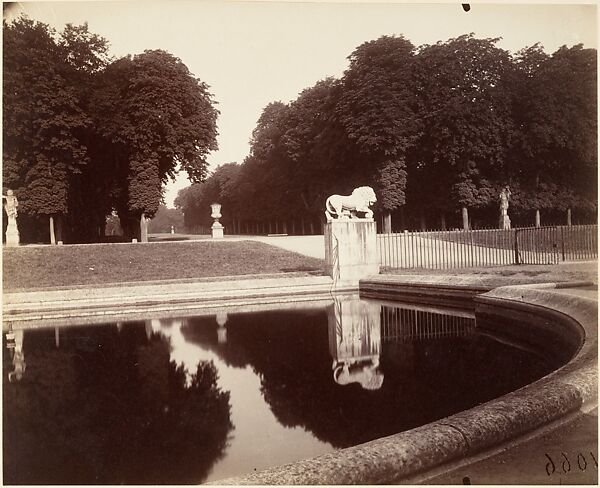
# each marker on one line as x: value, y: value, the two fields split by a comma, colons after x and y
x: 85, y: 134
x: 437, y: 130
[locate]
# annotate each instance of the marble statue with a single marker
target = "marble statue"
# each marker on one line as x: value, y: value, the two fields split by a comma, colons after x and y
x: 346, y: 207
x: 10, y: 205
x: 504, y: 199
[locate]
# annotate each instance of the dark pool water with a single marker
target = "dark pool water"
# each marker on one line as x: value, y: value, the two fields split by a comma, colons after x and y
x: 196, y: 399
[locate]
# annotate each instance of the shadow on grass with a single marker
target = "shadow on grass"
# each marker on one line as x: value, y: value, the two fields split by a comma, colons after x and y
x: 168, y: 239
x: 309, y: 269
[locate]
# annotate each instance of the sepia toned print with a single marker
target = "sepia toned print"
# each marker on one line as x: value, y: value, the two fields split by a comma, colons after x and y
x: 317, y: 243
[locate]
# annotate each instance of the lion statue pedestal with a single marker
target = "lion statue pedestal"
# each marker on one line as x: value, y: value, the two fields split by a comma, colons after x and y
x: 351, y: 240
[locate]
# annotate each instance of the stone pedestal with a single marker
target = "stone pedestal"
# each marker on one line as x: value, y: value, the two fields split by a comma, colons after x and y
x: 217, y: 230
x: 504, y: 221
x: 12, y: 232
x: 351, y: 249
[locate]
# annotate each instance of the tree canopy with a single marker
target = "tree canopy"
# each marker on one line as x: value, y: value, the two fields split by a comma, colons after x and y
x: 435, y: 129
x: 86, y: 134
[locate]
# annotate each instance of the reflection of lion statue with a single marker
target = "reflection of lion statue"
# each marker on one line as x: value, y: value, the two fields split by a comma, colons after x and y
x: 347, y: 206
x: 366, y: 374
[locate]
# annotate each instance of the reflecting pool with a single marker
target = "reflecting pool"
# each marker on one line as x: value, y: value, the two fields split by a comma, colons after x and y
x: 195, y: 399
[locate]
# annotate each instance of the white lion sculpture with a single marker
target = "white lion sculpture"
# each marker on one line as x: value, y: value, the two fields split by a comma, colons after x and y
x: 342, y: 206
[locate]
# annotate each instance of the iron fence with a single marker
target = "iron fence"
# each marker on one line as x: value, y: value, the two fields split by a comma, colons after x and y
x: 408, y: 325
x: 488, y: 247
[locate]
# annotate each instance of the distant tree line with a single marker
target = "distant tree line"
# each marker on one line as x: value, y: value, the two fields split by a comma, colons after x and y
x: 437, y: 130
x: 86, y: 135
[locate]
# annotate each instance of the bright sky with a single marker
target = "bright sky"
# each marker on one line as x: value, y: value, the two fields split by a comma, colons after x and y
x: 252, y: 53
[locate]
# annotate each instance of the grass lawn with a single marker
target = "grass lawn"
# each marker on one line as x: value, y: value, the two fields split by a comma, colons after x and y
x: 58, y: 266
x: 576, y: 241
x: 541, y: 272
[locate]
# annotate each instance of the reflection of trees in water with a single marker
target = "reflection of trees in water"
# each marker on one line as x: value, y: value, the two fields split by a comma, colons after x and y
x: 110, y: 407
x: 425, y: 380
x: 290, y: 352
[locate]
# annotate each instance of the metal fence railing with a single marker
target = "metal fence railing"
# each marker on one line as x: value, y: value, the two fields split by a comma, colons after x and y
x: 491, y: 247
x: 408, y: 325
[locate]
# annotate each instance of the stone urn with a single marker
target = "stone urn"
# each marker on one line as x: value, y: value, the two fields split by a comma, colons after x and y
x: 217, y: 227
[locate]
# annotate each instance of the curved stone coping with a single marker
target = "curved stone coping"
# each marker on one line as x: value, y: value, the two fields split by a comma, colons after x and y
x: 401, y: 456
x: 119, y: 301
x: 455, y: 291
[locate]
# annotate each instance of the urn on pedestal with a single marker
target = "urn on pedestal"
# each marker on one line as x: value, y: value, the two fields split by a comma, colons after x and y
x: 217, y: 227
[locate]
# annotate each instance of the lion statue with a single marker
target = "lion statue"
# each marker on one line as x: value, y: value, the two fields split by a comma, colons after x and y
x: 342, y: 206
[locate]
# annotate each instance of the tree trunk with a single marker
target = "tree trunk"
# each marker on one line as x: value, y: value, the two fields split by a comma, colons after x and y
x: 143, y: 228
x: 302, y: 225
x: 285, y: 227
x: 293, y: 227
x: 59, y: 228
x: 422, y: 221
x: 443, y: 221
x: 402, y: 219
x: 52, y: 237
x: 387, y: 223
x: 312, y: 227
x: 569, y: 217
x: 465, y: 218
x: 537, y: 217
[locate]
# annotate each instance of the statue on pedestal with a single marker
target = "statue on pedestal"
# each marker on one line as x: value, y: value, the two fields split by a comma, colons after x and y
x: 217, y: 227
x: 504, y: 199
x: 10, y: 205
x: 346, y: 207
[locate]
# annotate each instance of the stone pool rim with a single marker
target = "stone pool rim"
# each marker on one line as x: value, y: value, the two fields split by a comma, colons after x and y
x: 400, y: 457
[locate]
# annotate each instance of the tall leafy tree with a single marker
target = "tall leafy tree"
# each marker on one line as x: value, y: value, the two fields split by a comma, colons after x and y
x: 264, y: 175
x: 465, y: 107
x: 43, y: 120
x: 555, y: 144
x: 378, y: 111
x: 90, y: 191
x: 158, y: 118
x: 189, y: 201
x: 316, y: 156
x: 220, y: 187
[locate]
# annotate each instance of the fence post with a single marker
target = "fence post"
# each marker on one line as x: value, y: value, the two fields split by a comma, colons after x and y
x: 562, y: 242
x: 516, y: 247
